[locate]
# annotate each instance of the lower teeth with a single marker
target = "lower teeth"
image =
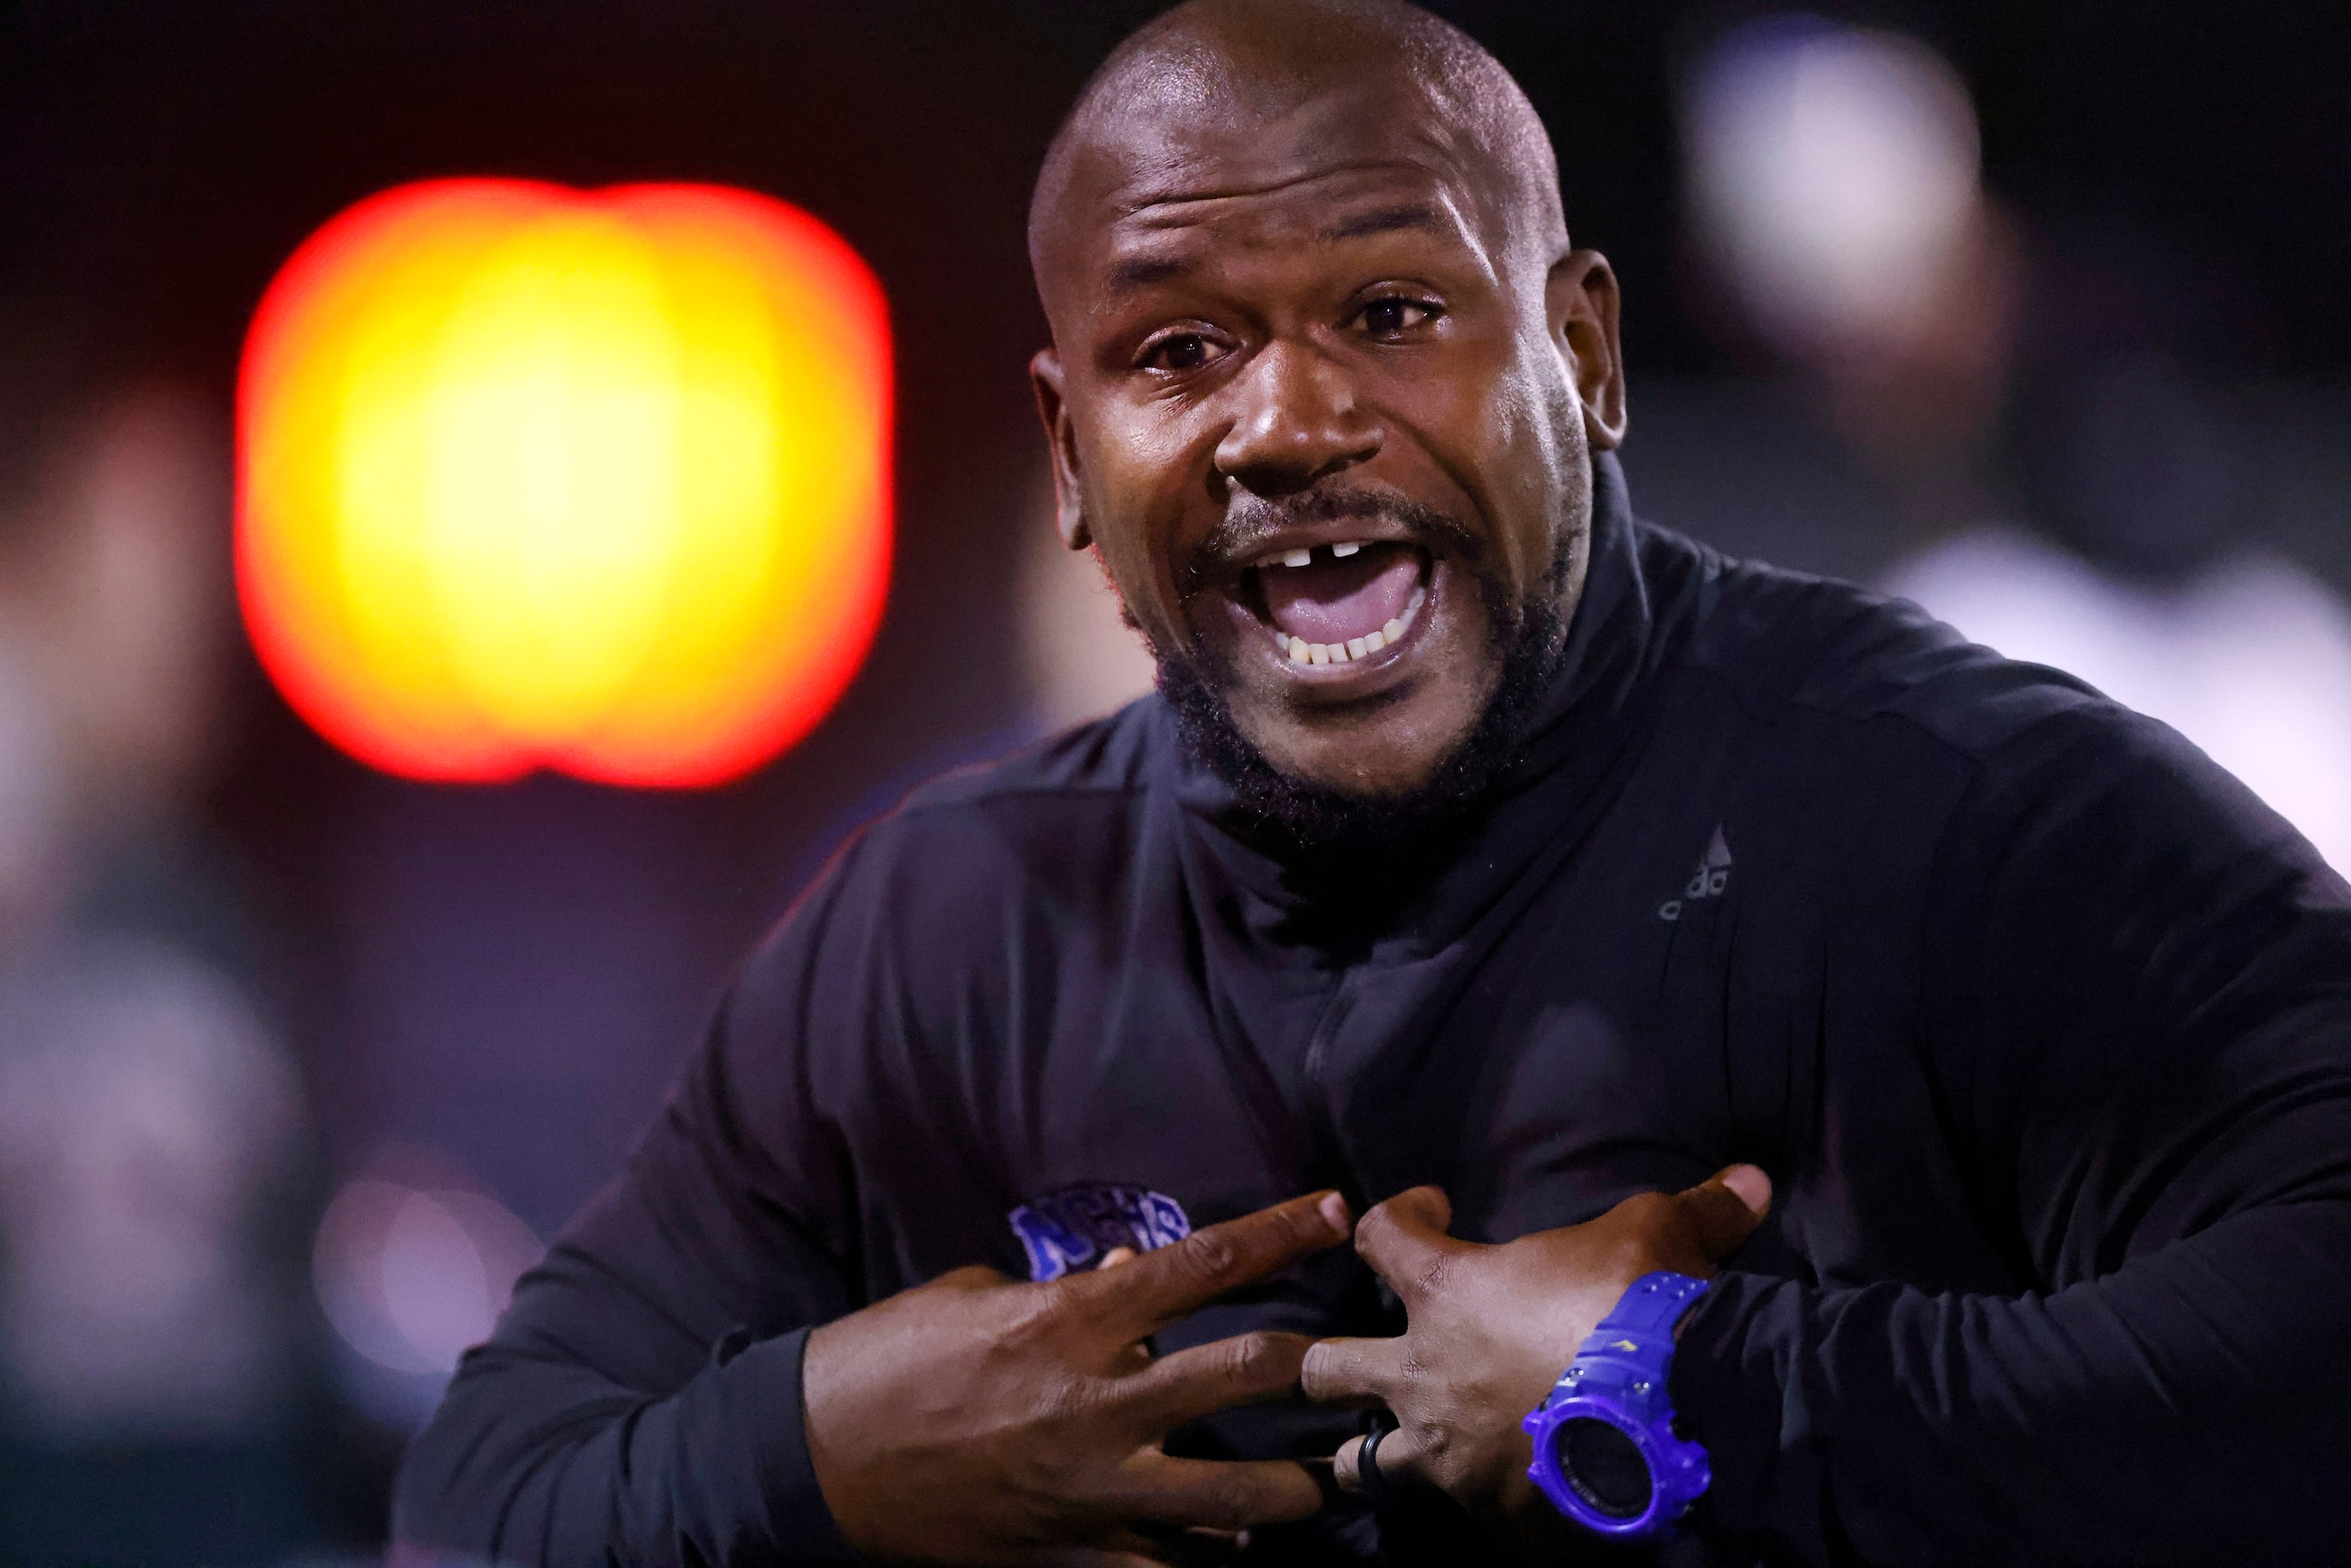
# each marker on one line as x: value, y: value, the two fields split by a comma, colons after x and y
x: 1301, y: 652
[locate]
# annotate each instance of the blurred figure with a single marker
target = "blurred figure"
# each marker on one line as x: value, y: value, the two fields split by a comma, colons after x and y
x: 1836, y: 184
x: 1080, y: 657
x: 151, y: 1369
x: 1835, y: 187
x: 2139, y: 577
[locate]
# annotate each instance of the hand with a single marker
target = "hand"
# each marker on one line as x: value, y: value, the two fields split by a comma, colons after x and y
x: 977, y: 1419
x: 1489, y: 1329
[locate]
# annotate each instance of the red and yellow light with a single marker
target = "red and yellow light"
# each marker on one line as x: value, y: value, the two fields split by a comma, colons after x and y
x: 594, y: 481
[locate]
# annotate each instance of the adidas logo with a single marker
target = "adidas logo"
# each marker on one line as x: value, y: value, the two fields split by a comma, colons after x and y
x: 1713, y: 874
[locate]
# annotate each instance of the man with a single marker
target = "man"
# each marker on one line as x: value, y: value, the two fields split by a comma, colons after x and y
x: 1503, y: 867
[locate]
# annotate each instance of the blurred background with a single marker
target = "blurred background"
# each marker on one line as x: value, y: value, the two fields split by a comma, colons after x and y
x: 2033, y: 310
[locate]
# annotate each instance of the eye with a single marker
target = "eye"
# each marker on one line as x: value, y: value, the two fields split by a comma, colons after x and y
x: 1395, y: 316
x: 1178, y: 351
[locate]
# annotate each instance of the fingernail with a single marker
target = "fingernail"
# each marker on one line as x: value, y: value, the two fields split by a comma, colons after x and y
x: 1334, y: 1210
x: 1753, y: 1188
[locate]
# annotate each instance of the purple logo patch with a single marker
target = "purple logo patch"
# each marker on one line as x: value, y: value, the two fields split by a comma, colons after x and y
x: 1068, y: 1231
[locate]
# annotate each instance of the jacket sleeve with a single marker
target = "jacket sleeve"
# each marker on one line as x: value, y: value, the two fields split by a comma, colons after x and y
x: 2136, y: 1032
x: 640, y: 1400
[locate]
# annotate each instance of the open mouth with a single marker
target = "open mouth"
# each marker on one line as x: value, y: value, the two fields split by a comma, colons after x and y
x: 1336, y: 603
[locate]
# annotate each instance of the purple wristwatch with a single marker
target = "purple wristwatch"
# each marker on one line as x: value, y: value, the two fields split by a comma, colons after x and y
x: 1606, y: 1453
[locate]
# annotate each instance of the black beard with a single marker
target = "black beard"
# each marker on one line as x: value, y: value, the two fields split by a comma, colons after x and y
x: 1531, y: 642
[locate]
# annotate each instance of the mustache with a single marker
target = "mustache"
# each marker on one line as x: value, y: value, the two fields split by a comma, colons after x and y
x: 1252, y: 522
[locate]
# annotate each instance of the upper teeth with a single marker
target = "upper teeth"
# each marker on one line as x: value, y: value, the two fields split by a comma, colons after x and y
x: 1305, y: 557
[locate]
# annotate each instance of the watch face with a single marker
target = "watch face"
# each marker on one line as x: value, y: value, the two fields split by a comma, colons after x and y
x: 1603, y: 1466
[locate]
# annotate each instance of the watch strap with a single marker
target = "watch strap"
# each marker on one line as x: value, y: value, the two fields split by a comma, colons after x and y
x: 1651, y: 1304
x: 1618, y: 1378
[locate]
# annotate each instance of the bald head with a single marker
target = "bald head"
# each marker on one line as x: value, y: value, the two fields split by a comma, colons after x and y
x: 1326, y: 81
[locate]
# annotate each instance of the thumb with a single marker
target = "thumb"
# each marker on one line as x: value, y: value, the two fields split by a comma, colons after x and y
x: 1402, y: 1237
x: 1724, y: 1209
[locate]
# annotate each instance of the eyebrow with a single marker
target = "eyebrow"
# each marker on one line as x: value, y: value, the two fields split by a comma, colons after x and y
x: 1387, y: 220
x: 1142, y: 271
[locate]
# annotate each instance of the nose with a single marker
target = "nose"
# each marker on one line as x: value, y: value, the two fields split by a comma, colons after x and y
x: 1297, y: 420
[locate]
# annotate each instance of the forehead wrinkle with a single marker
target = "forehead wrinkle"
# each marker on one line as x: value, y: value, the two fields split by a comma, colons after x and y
x: 1425, y: 157
x: 1435, y: 208
x: 1134, y: 207
x: 1135, y: 274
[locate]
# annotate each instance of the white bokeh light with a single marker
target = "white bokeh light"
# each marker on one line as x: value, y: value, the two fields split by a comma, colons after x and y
x: 410, y: 1278
x: 1834, y: 173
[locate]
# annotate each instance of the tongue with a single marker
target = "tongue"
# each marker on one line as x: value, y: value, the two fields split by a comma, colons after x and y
x: 1337, y: 601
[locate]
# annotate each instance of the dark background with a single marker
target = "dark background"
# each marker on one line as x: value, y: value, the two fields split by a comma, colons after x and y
x: 509, y: 974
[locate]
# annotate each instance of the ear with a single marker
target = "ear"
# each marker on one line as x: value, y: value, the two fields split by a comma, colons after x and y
x: 1580, y: 298
x: 1069, y: 507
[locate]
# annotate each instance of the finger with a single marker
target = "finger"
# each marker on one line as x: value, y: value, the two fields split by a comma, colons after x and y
x: 1133, y: 1549
x: 1126, y: 1549
x: 1395, y: 1457
x: 1173, y: 1282
x: 1206, y: 1378
x: 1172, y: 1548
x: 1353, y: 1371
x: 1343, y: 1465
x: 1724, y: 1209
x: 1215, y: 1494
x: 1115, y: 1256
x: 1405, y: 1242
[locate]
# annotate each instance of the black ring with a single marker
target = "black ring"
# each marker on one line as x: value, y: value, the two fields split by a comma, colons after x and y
x: 1370, y: 1485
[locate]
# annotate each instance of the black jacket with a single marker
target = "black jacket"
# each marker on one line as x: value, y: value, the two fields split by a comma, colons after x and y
x: 2039, y: 1022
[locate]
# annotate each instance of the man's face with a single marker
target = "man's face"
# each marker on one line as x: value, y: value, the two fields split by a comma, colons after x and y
x: 1327, y: 418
